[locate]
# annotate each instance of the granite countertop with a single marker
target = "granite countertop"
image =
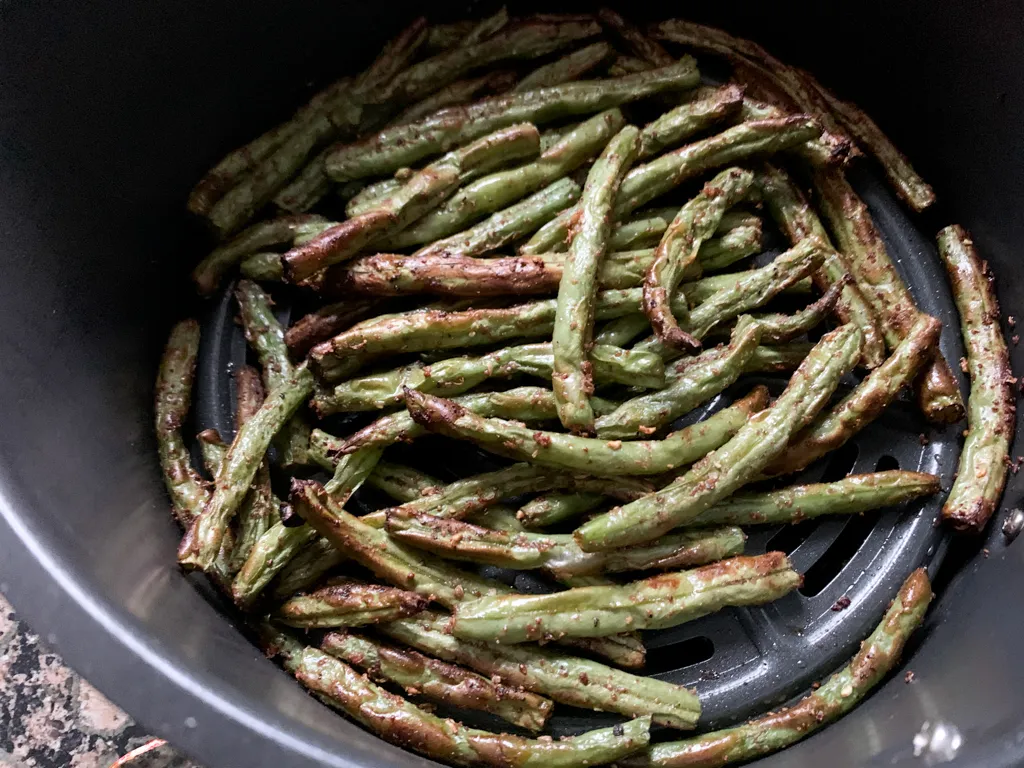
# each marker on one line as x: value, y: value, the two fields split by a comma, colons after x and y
x: 52, y: 718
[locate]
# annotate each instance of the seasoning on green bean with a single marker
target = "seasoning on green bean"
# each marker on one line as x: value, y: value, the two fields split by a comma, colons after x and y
x: 611, y: 458
x: 661, y: 601
x: 173, y: 388
x: 985, y: 458
x: 740, y: 460
x: 440, y: 681
x: 572, y: 378
x: 877, y: 657
x: 852, y: 495
x: 568, y: 680
x: 695, y: 223
x: 384, y: 152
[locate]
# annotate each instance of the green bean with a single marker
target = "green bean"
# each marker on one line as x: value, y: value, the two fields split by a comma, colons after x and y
x: 443, y: 36
x: 210, y: 272
x: 781, y: 358
x: 566, y: 679
x: 701, y: 290
x: 760, y: 287
x: 446, y: 270
x: 473, y: 494
x: 439, y: 681
x: 764, y: 73
x: 349, y: 603
x: 322, y: 324
x: 173, y: 396
x: 627, y: 65
x: 914, y: 190
x: 981, y: 475
x: 266, y: 336
x: 307, y: 189
x: 501, y: 189
x: 264, y: 266
x: 735, y: 245
x: 369, y: 196
x: 689, y: 118
x: 213, y: 448
x: 373, y: 549
x: 782, y: 328
x: 507, y: 225
x: 572, y: 378
x: 747, y: 292
x: 260, y: 508
x: 521, y: 404
x: 486, y: 27
x: 522, y: 40
x: 424, y: 330
x: 570, y: 67
x: 201, y: 543
x: 638, y: 43
x: 852, y: 495
x: 865, y: 403
x: 550, y: 508
x: 436, y: 329
x: 557, y: 553
x: 877, y: 657
x: 256, y: 189
x: 391, y: 148
x: 279, y: 544
x: 658, y: 602
x: 622, y: 330
x: 395, y: 719
x: 736, y: 463
x: 308, y: 566
x: 394, y: 56
x: 420, y: 194
x: 678, y: 250
x: 274, y: 157
x: 666, y: 172
x: 797, y: 220
x: 306, y: 569
x: 826, y: 150
x: 581, y: 454
x: 238, y: 163
x: 382, y: 193
x: 271, y: 552
x: 696, y: 380
x: 860, y: 241
x: 453, y: 94
x: 460, y: 374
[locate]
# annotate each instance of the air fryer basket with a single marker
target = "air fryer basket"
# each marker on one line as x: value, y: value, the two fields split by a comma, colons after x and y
x: 107, y: 115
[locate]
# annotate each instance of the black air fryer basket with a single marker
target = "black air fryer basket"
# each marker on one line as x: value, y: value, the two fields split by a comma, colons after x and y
x: 108, y: 114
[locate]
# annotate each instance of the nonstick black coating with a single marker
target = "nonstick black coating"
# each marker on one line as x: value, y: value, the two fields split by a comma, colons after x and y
x: 109, y: 112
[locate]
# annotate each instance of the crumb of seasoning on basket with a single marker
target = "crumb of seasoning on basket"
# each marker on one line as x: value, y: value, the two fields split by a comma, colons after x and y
x: 1011, y: 321
x: 1015, y: 339
x: 841, y: 604
x: 909, y: 677
x: 923, y: 439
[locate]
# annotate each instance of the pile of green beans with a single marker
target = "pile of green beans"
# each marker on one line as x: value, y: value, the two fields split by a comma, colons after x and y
x: 471, y: 227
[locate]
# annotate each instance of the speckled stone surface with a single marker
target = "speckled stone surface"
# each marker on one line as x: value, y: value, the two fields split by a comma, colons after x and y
x: 52, y: 718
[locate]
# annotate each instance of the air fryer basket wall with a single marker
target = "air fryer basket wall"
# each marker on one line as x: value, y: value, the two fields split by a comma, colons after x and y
x: 109, y: 113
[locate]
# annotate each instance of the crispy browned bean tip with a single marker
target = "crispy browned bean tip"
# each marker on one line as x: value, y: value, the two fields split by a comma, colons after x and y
x: 324, y: 323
